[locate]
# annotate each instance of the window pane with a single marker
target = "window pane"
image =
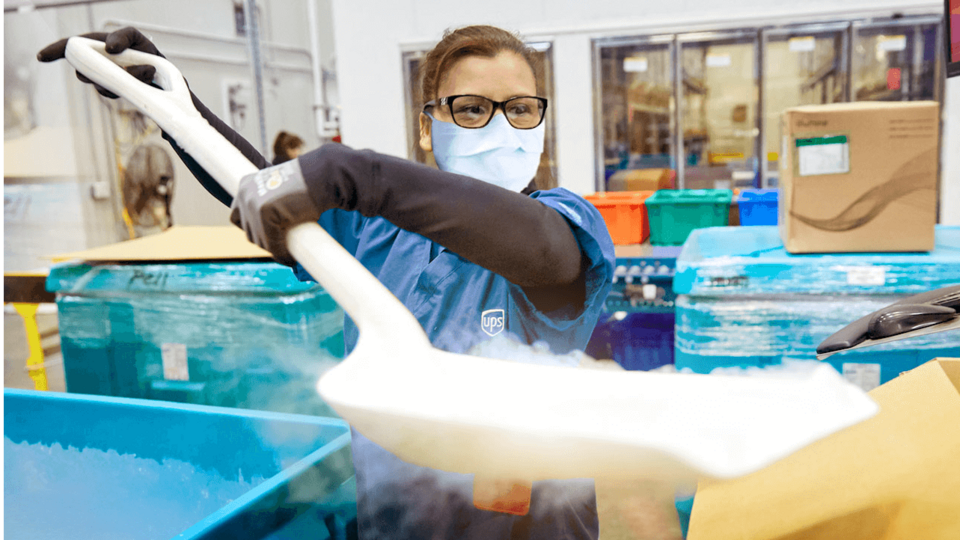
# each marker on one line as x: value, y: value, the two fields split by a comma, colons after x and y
x: 637, y: 104
x: 719, y: 113
x: 799, y: 68
x: 895, y: 62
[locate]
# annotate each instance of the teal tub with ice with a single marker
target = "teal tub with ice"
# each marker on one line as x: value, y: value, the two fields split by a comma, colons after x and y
x: 79, y: 467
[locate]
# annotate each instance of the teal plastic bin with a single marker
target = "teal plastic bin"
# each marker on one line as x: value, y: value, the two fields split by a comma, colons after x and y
x: 232, y: 334
x: 742, y: 300
x: 675, y: 213
x: 83, y: 467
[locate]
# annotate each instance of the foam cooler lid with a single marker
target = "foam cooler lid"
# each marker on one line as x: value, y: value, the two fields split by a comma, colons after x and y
x: 730, y: 261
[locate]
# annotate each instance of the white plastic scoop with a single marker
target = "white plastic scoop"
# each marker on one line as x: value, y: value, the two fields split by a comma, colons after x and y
x: 493, y: 417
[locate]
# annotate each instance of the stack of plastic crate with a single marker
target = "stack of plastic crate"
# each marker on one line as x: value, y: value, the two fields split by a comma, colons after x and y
x: 742, y: 300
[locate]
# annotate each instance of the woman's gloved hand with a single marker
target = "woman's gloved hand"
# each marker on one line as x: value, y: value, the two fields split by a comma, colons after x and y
x: 116, y: 42
x: 270, y: 202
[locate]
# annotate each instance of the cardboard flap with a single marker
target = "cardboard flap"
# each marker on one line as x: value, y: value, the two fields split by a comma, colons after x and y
x: 176, y: 244
x: 892, y: 476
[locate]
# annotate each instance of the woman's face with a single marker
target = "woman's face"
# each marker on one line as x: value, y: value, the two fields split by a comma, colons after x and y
x: 500, y: 78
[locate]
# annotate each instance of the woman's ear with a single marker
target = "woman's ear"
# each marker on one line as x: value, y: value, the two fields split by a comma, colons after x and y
x: 426, y: 144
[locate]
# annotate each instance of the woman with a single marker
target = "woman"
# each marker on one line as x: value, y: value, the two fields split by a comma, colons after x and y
x: 286, y: 146
x: 474, y: 238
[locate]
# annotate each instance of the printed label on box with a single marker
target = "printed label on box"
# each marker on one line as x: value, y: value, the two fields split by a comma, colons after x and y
x: 866, y: 275
x: 823, y: 155
x: 866, y: 376
x: 174, y: 357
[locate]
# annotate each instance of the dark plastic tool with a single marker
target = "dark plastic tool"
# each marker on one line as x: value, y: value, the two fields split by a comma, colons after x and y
x: 925, y: 313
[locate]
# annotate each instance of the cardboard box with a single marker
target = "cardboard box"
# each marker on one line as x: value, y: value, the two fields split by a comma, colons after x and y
x: 896, y: 475
x: 641, y: 180
x: 859, y: 177
x: 177, y: 243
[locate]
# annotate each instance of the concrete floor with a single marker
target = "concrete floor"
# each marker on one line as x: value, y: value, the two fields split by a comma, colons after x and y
x: 16, y: 350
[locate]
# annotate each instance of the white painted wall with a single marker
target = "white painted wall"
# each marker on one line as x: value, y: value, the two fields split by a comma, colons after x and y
x: 371, y: 33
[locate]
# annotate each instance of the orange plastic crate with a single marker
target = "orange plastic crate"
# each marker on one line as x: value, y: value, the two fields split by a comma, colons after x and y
x: 624, y: 213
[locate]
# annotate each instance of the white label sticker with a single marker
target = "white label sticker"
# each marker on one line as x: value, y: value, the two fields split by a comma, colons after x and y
x: 649, y: 292
x: 891, y: 43
x: 866, y: 275
x: 174, y: 357
x: 635, y: 64
x: 824, y: 158
x: 802, y: 44
x: 718, y: 60
x: 866, y: 376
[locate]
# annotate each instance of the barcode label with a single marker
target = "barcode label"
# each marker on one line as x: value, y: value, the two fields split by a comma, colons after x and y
x: 174, y: 357
x: 823, y: 155
x: 866, y: 376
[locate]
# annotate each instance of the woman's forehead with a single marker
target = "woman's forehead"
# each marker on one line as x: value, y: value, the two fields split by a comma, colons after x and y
x: 499, y: 78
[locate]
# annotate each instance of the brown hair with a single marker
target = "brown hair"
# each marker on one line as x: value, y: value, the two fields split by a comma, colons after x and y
x: 479, y: 40
x: 282, y: 146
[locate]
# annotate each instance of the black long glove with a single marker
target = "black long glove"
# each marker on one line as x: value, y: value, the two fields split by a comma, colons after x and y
x: 130, y: 38
x: 508, y: 233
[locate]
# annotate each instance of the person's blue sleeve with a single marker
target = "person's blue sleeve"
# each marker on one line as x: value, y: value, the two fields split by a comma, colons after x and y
x: 572, y: 324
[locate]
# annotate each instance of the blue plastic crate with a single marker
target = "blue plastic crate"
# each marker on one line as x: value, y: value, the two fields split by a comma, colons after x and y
x: 638, y: 341
x: 251, y: 334
x: 305, y: 464
x: 758, y: 206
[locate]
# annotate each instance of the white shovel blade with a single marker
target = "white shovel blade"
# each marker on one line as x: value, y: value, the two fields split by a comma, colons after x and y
x: 502, y: 419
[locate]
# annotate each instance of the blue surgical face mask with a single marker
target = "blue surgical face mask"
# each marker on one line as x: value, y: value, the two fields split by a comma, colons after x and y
x: 497, y: 153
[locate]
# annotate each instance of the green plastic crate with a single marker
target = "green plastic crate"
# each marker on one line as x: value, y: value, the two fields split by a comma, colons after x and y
x: 229, y: 334
x: 675, y: 213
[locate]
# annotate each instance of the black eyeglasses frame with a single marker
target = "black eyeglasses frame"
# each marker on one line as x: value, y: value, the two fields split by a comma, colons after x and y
x: 448, y: 101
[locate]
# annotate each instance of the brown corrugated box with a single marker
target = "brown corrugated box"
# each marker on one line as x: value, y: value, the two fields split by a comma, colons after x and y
x: 641, y: 180
x: 859, y: 177
x: 893, y: 476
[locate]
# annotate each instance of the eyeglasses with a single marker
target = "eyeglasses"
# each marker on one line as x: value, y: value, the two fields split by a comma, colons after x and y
x: 472, y: 112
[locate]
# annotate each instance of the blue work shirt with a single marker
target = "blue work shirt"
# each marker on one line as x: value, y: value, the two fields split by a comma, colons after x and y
x: 459, y: 303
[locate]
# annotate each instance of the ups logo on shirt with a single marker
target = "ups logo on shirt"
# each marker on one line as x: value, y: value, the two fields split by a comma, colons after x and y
x: 492, y: 321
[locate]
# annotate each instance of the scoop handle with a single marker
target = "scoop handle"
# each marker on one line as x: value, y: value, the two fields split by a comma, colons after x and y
x: 371, y: 305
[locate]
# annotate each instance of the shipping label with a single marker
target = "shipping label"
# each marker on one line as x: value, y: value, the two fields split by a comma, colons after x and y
x: 174, y: 358
x: 823, y: 155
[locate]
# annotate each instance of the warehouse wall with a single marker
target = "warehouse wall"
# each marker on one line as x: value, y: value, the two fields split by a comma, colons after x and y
x: 79, y: 138
x: 370, y: 35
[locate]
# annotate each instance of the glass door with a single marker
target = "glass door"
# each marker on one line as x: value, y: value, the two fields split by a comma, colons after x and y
x: 803, y: 65
x: 636, y: 115
x: 897, y: 60
x: 718, y: 112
